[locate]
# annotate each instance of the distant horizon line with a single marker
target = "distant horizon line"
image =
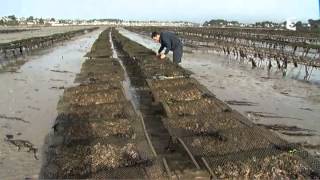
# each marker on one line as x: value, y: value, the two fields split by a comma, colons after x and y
x: 189, y: 21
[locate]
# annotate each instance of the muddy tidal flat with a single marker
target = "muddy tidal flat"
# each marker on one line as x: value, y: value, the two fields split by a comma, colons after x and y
x: 28, y: 102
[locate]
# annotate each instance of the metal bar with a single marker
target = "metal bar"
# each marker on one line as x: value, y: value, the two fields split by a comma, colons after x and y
x: 213, y: 176
x: 189, y: 153
x: 167, y: 168
x: 146, y: 134
x: 167, y: 109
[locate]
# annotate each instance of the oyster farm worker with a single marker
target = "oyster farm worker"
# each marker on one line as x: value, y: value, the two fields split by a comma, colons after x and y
x: 171, y: 42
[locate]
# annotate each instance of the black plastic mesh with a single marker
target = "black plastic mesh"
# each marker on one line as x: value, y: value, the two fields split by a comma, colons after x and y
x: 100, y: 71
x: 201, y: 125
x: 161, y: 69
x: 81, y: 159
x: 121, y: 173
x: 98, y: 111
x: 232, y: 145
x: 267, y: 163
x: 226, y: 142
x: 75, y: 128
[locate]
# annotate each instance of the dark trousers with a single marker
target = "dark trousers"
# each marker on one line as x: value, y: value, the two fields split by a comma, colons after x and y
x: 177, y: 54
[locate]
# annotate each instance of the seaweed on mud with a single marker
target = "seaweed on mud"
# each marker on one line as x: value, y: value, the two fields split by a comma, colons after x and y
x: 297, y: 133
x: 282, y: 127
x: 23, y: 144
x: 60, y: 71
x: 268, y: 115
x: 309, y: 146
x: 241, y: 103
x: 2, y: 116
x: 289, y: 130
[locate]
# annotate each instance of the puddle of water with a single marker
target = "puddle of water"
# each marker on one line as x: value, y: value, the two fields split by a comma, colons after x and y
x: 296, y: 102
x: 32, y: 96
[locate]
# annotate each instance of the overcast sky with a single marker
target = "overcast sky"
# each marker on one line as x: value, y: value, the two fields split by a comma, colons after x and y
x: 187, y: 10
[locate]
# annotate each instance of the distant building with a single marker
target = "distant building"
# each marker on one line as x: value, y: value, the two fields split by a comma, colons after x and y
x: 31, y: 21
x: 291, y: 25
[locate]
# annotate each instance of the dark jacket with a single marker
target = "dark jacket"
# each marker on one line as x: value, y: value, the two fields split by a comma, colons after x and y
x: 169, y: 41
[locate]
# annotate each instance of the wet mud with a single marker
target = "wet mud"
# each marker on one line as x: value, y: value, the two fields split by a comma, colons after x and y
x: 28, y: 96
